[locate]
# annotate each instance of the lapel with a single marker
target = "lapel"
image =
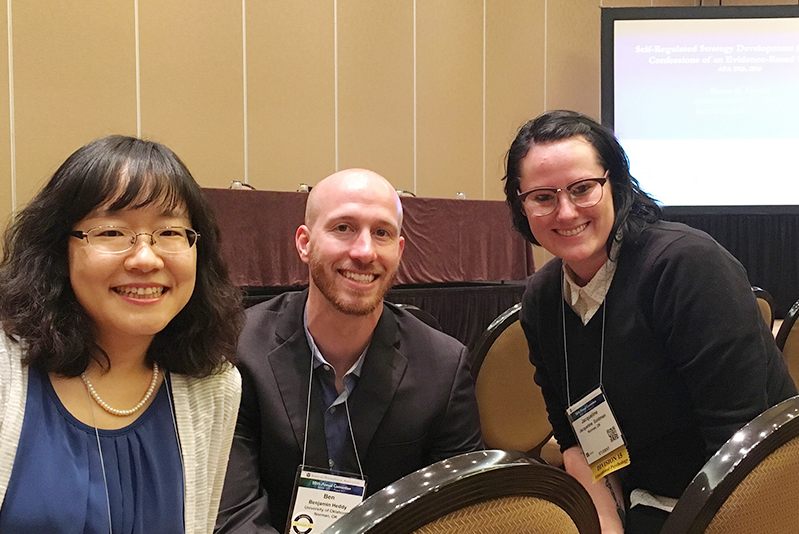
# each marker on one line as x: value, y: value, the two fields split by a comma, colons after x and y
x: 383, y: 369
x: 291, y: 365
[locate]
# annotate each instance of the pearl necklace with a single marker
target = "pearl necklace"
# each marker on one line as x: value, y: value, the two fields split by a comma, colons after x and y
x: 113, y: 411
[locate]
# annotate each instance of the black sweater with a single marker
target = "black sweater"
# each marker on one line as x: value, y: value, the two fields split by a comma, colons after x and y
x: 688, y: 358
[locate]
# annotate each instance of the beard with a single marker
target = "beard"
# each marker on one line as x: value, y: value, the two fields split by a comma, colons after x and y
x: 365, y: 302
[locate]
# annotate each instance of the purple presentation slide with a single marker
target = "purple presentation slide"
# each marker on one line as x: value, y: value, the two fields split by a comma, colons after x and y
x: 693, y: 98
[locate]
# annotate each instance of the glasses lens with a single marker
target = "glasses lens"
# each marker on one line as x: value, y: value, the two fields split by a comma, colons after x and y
x: 175, y: 239
x: 586, y: 193
x: 110, y: 239
x: 541, y: 201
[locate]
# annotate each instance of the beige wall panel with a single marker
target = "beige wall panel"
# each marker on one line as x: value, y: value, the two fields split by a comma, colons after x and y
x: 6, y: 206
x: 449, y: 98
x: 375, y: 88
x: 514, y: 80
x: 191, y: 84
x: 573, y: 55
x: 74, y: 81
x: 290, y: 85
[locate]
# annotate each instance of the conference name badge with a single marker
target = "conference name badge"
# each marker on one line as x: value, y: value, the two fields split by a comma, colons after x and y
x: 598, y: 433
x: 320, y: 498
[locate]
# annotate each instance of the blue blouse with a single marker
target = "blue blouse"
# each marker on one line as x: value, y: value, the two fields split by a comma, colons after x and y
x: 57, y: 485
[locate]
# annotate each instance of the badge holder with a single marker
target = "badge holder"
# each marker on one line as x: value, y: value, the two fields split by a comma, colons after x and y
x: 598, y: 433
x: 320, y: 497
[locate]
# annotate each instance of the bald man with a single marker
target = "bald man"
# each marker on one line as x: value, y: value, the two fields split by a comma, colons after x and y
x: 381, y: 382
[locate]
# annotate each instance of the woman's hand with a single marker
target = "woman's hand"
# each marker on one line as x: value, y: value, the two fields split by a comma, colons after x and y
x: 606, y: 492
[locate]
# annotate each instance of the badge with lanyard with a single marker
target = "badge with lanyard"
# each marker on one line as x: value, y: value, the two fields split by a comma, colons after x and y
x: 321, y: 496
x: 592, y: 420
x: 598, y: 433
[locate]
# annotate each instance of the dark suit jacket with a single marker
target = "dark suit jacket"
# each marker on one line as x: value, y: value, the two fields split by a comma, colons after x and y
x: 414, y: 404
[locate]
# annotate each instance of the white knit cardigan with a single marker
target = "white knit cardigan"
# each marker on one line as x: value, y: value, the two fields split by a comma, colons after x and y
x: 205, y: 410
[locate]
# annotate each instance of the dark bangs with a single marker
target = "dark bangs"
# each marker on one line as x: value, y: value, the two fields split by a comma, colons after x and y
x: 131, y: 175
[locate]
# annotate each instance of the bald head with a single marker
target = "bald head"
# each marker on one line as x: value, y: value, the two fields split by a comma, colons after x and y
x: 347, y: 184
x: 352, y: 244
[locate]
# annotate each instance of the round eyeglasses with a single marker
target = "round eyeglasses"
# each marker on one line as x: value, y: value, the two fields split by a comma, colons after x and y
x: 542, y: 201
x: 116, y: 239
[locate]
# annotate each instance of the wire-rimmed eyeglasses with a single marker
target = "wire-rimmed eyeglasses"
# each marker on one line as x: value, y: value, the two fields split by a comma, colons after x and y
x: 583, y: 193
x: 117, y: 239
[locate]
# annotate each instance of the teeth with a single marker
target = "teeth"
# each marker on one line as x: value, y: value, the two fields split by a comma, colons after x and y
x: 573, y: 231
x: 364, y: 278
x: 140, y: 292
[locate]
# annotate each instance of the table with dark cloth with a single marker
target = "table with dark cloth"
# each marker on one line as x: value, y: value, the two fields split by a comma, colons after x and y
x: 462, y: 262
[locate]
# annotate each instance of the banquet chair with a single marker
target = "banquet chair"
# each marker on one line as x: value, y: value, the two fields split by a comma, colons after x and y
x: 513, y: 414
x: 766, y: 303
x: 788, y: 341
x: 426, y: 317
x: 751, y: 485
x: 484, y: 492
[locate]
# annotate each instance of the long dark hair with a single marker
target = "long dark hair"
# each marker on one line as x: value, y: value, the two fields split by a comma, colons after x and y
x: 633, y: 208
x: 37, y: 304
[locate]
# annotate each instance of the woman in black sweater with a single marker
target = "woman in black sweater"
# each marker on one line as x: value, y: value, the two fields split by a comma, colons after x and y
x: 656, y: 314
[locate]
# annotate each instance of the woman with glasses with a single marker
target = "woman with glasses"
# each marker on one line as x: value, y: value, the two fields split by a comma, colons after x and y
x: 647, y: 340
x: 117, y: 394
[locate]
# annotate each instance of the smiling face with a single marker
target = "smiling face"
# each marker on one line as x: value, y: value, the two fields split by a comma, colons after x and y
x: 134, y: 294
x: 577, y: 235
x: 351, y: 241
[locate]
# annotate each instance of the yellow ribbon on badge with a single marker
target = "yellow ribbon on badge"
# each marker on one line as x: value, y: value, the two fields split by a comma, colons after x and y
x: 610, y: 462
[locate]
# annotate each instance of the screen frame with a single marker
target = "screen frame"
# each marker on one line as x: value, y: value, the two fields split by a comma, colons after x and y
x: 607, y: 105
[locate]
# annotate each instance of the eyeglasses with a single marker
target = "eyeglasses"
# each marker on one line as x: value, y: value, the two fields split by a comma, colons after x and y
x: 542, y: 201
x: 116, y: 239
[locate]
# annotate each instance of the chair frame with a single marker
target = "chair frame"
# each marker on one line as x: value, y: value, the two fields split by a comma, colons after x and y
x: 468, y: 479
x: 490, y: 335
x: 787, y: 325
x: 484, y: 344
x: 708, y: 491
x: 762, y: 294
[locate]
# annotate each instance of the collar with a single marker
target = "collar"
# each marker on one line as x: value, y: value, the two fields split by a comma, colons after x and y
x: 586, y: 300
x: 319, y: 359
